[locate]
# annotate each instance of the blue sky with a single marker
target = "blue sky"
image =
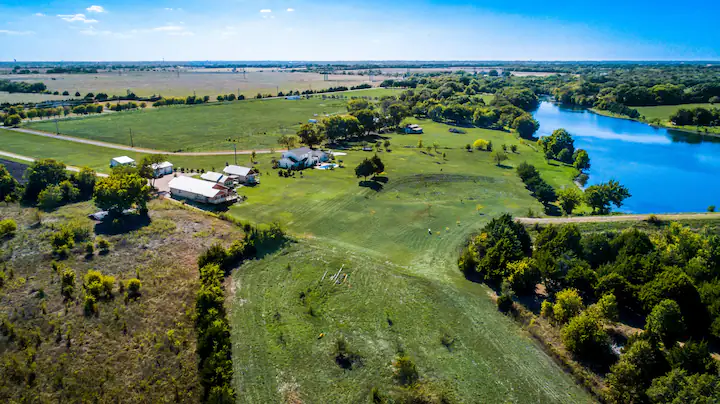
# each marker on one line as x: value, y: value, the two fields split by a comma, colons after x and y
x: 358, y: 30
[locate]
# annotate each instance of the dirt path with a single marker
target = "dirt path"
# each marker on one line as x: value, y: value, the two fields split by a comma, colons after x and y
x: 615, y: 218
x: 134, y: 149
x: 31, y: 160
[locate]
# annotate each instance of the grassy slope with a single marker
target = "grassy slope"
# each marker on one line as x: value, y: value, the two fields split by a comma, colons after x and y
x: 101, y: 362
x: 255, y: 124
x: 395, y: 266
x: 380, y: 309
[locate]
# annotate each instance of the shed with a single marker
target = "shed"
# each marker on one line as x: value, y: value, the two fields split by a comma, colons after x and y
x: 164, y: 168
x: 121, y: 161
x: 201, y: 191
x: 243, y: 175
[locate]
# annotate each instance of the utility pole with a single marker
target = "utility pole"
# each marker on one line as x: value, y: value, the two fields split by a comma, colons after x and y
x: 132, y: 144
x: 235, y: 149
x: 57, y: 129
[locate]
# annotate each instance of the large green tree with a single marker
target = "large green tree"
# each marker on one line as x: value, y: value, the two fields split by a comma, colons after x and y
x: 600, y: 197
x: 42, y: 174
x: 8, y: 185
x: 309, y: 134
x: 120, y: 191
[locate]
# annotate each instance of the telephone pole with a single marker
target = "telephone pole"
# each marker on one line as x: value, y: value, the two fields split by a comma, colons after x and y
x: 132, y: 144
x: 235, y: 149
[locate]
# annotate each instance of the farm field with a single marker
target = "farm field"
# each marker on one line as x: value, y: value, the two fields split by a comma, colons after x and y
x: 461, y: 345
x: 212, y: 83
x: 663, y: 112
x: 25, y: 97
x: 254, y: 124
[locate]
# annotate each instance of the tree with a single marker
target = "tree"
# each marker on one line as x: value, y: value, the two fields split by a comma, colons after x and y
x: 145, y: 168
x: 367, y: 118
x: 568, y: 304
x: 581, y: 160
x: 289, y: 141
x: 665, y: 322
x: 42, y: 174
x: 560, y: 139
x: 357, y: 105
x: 499, y: 156
x: 13, y: 120
x: 565, y: 156
x: 680, y: 387
x: 524, y: 276
x: 341, y: 127
x: 85, y: 181
x: 480, y: 144
x: 365, y: 169
x: 50, y: 198
x: 525, y: 125
x: 377, y: 164
x: 630, y: 377
x: 600, y: 197
x: 8, y: 185
x: 569, y: 199
x: 120, y: 191
x: 70, y: 193
x: 585, y: 337
x: 309, y: 134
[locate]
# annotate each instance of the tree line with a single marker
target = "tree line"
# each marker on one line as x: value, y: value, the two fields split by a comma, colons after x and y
x: 21, y: 87
x: 670, y: 279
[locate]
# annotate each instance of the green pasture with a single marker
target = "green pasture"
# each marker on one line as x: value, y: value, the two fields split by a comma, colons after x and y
x: 253, y: 124
x: 282, y: 305
x: 663, y: 112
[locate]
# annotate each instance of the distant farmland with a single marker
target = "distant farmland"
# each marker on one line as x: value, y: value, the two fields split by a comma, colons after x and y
x: 254, y: 124
x: 201, y: 82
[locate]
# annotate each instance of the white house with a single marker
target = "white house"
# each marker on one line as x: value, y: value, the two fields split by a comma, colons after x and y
x: 218, y: 178
x: 122, y: 161
x: 243, y: 175
x: 201, y: 191
x: 164, y: 168
x: 302, y: 157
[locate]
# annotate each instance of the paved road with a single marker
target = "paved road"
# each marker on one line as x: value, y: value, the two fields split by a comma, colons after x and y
x: 615, y: 218
x: 31, y: 160
x: 134, y: 149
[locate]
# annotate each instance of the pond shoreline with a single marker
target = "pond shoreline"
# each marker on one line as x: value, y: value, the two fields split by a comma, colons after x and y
x: 657, y: 126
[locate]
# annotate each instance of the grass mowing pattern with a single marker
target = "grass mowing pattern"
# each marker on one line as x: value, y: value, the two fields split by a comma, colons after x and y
x: 281, y: 308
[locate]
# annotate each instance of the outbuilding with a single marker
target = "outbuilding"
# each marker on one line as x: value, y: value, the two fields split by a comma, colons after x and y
x: 122, y: 161
x: 164, y: 168
x: 218, y: 178
x: 201, y: 191
x: 243, y: 175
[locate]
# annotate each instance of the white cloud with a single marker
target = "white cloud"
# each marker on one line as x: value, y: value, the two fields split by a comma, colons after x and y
x: 290, y: 10
x: 168, y: 9
x: 10, y: 32
x: 77, y: 17
x: 39, y: 15
x: 95, y: 9
x: 169, y: 28
x: 266, y: 10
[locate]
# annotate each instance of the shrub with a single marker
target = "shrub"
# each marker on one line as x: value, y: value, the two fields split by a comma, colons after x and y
x: 103, y: 245
x: 585, y: 337
x: 480, y: 144
x: 711, y: 208
x: 405, y: 371
x: 568, y: 304
x: 90, y: 305
x: 89, y: 249
x: 133, y: 287
x: 8, y: 227
x: 216, y: 254
x: 67, y: 281
x: 504, y: 302
x: 665, y: 322
x: 50, y: 198
x: 62, y: 242
x: 524, y: 276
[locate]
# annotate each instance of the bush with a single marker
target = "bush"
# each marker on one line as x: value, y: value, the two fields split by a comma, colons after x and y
x: 67, y: 281
x: 103, y: 245
x: 133, y: 287
x: 568, y: 304
x: 50, y: 198
x: 406, y: 372
x: 89, y: 249
x: 524, y: 276
x: 480, y: 144
x: 504, y: 302
x: 585, y: 337
x: 665, y: 322
x: 8, y: 227
x: 546, y: 310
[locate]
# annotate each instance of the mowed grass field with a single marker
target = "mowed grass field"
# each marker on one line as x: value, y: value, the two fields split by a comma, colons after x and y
x: 281, y: 306
x: 202, y: 82
x: 663, y: 112
x: 253, y: 124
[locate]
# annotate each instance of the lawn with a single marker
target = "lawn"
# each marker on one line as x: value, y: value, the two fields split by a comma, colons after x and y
x: 254, y: 124
x: 663, y: 112
x: 461, y: 345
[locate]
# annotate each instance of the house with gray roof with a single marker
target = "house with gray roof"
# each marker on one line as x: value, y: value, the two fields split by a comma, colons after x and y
x: 302, y: 157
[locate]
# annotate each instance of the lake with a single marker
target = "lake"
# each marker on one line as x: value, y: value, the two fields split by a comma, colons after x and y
x: 666, y: 171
